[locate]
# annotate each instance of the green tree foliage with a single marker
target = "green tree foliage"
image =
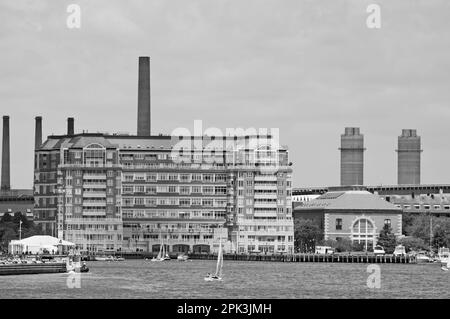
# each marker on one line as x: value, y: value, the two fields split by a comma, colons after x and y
x: 358, y: 246
x: 441, y: 232
x: 420, y: 228
x: 307, y: 234
x: 412, y: 244
x: 9, y: 228
x: 340, y: 245
x: 407, y: 222
x: 387, y: 239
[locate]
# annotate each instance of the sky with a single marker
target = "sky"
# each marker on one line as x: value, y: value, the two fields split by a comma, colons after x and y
x: 308, y: 67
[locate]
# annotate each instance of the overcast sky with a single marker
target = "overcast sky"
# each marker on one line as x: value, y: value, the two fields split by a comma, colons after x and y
x: 309, y: 68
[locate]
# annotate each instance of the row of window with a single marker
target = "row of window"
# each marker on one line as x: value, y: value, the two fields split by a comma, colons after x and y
x: 362, y: 225
x: 141, y: 213
x: 156, y: 201
x: 183, y: 177
x: 182, y: 190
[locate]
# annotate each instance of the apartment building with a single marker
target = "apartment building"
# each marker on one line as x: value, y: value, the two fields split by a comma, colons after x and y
x: 129, y: 193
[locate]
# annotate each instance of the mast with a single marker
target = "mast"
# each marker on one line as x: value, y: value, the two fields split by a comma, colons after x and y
x: 431, y: 231
x: 160, y: 246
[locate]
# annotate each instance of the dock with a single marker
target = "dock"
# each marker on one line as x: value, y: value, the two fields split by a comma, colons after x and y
x: 315, y: 258
x: 305, y: 257
x: 26, y: 269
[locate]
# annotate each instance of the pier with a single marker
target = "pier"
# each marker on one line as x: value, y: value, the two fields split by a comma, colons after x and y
x: 313, y: 258
x: 26, y: 269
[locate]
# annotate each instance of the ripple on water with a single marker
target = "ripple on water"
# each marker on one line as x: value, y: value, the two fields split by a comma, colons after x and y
x: 173, y: 279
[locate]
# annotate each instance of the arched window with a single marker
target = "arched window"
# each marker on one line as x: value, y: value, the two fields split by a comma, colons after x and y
x: 94, y: 155
x: 363, y: 231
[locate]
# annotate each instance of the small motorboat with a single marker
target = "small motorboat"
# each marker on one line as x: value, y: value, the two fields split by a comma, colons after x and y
x: 182, y: 257
x: 84, y: 268
x: 213, y: 278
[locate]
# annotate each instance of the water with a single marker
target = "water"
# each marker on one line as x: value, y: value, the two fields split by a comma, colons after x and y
x: 174, y: 279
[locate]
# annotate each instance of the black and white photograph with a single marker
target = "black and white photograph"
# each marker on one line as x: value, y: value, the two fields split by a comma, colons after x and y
x: 240, y: 152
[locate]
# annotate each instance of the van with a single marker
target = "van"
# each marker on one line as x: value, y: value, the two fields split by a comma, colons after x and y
x: 324, y: 250
x: 400, y: 250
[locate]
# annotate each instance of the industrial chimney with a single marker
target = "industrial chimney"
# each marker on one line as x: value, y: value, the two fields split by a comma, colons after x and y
x: 408, y: 169
x: 70, y: 126
x: 5, y: 183
x: 352, y: 157
x: 144, y: 116
x: 38, y: 133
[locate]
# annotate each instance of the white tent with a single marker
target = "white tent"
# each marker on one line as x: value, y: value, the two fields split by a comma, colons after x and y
x: 36, y: 244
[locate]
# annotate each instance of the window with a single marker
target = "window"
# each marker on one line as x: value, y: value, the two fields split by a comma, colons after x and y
x: 185, y: 177
x: 387, y: 222
x: 207, y: 177
x: 185, y: 202
x: 196, y: 189
x: 184, y: 190
x: 338, y: 223
x: 363, y: 232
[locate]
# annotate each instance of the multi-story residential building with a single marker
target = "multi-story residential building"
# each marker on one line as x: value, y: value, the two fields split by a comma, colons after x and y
x: 130, y: 193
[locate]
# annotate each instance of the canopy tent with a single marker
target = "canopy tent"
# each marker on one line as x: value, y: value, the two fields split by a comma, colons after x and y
x: 37, y: 244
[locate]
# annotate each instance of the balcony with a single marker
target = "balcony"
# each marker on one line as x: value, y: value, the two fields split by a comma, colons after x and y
x: 94, y: 213
x: 265, y: 214
x: 265, y: 178
x: 94, y: 203
x: 96, y: 176
x: 266, y: 196
x: 94, y: 194
x: 265, y: 205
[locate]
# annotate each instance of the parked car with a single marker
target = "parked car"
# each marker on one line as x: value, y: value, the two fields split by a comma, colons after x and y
x: 378, y: 250
x: 400, y: 250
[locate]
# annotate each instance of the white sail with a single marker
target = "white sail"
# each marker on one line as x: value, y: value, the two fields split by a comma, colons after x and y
x: 219, y: 261
x: 161, y: 247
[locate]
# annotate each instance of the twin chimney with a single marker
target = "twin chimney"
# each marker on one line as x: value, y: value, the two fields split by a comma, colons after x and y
x: 5, y: 182
x: 144, y: 117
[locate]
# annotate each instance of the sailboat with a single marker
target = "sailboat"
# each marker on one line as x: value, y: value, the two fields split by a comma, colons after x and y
x: 444, y: 256
x: 218, y: 275
x: 162, y: 255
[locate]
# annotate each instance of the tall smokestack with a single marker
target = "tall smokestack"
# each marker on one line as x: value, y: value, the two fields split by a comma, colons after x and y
x: 144, y: 116
x: 38, y: 132
x: 408, y: 171
x: 5, y: 183
x: 352, y: 157
x: 70, y: 126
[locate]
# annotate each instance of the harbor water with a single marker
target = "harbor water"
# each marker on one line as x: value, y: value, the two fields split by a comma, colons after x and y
x: 241, y: 279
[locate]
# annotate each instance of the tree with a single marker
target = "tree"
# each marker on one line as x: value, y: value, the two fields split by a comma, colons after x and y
x: 6, y: 218
x: 412, y: 243
x: 407, y: 222
x: 307, y: 234
x: 441, y: 232
x: 339, y: 245
x: 387, y: 239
